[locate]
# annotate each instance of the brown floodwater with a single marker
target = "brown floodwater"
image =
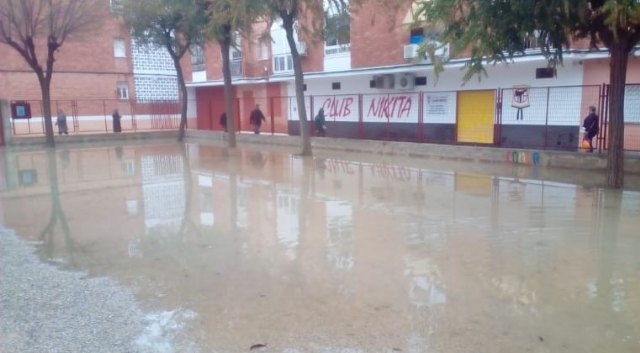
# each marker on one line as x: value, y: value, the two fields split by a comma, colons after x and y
x: 340, y: 252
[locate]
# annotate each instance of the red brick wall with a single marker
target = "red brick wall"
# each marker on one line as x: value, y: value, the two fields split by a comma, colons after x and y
x: 378, y: 36
x: 83, y: 61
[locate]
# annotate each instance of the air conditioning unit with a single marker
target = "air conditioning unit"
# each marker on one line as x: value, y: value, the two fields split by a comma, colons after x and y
x: 302, y: 48
x: 405, y: 81
x: 386, y: 81
x: 411, y: 51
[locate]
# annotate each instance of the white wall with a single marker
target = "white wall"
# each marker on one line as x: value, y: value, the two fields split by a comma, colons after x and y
x: 382, y: 105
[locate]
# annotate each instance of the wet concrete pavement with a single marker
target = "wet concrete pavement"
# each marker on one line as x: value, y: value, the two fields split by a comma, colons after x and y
x: 345, y: 253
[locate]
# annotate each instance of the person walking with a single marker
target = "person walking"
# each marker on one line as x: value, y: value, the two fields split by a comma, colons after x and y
x: 590, y: 126
x: 319, y: 122
x: 116, y: 121
x: 256, y: 118
x: 61, y: 122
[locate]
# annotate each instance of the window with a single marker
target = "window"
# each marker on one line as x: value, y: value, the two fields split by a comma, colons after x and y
x: 116, y: 5
x: 236, y: 52
x: 282, y: 63
x: 119, y: 48
x: 263, y: 49
x: 337, y: 28
x: 123, y: 90
x: 197, y: 58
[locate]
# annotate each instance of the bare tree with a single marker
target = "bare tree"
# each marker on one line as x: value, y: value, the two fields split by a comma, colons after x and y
x: 36, y: 29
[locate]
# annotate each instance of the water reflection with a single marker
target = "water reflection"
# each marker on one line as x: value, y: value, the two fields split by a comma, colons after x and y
x: 319, y: 253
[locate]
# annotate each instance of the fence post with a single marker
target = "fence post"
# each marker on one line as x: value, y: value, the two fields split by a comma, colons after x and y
x: 311, y: 117
x: 360, y: 118
x: 104, y: 111
x: 546, y: 120
x: 420, y: 132
x: 134, y: 123
x: 44, y: 129
x: 74, y: 108
x: 605, y: 114
x: 273, y: 128
x: 497, y: 139
x: 602, y: 106
x: 238, y: 115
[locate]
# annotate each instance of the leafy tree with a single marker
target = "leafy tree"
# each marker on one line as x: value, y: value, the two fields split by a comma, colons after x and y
x: 36, y: 29
x: 311, y: 18
x: 227, y: 19
x: 175, y: 25
x: 493, y: 32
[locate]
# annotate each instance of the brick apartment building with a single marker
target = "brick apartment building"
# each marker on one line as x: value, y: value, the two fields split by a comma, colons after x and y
x: 95, y: 73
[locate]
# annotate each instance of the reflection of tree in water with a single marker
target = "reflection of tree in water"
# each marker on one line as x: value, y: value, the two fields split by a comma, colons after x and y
x: 47, y: 235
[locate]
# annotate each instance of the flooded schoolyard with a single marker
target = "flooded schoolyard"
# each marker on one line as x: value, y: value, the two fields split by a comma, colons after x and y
x: 262, y: 250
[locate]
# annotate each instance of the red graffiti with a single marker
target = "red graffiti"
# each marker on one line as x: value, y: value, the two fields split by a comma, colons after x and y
x: 390, y: 107
x: 338, y: 166
x: 337, y: 107
x: 391, y: 172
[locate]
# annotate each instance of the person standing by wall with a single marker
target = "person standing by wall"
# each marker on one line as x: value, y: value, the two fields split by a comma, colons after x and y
x: 590, y: 126
x: 319, y: 122
x: 223, y: 121
x: 61, y: 121
x: 116, y: 121
x: 256, y: 118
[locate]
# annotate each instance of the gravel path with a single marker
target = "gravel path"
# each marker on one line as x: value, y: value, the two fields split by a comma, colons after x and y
x: 45, y: 309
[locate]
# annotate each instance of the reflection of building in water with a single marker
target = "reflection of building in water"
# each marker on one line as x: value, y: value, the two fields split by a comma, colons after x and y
x: 205, y: 199
x: 340, y: 234
x: 163, y: 193
x: 288, y: 221
x: 426, y: 288
x: 243, y: 205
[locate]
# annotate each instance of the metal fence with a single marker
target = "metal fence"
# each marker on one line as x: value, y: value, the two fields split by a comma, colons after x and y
x: 518, y: 117
x: 547, y: 118
x: 95, y: 116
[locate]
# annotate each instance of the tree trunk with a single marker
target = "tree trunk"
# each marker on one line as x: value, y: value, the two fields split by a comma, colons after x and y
x: 225, y: 48
x: 183, y: 98
x: 615, y: 148
x: 45, y: 85
x: 287, y: 23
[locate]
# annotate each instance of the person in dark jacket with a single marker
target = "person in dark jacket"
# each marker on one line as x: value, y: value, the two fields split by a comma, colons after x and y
x: 116, y: 121
x: 223, y: 121
x: 61, y: 121
x: 256, y: 118
x: 590, y: 126
x: 319, y: 122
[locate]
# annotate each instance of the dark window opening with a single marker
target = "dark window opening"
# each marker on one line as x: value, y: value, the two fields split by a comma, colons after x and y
x: 545, y: 72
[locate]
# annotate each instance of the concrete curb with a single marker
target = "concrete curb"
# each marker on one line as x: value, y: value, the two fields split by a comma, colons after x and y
x: 87, y: 138
x: 556, y: 159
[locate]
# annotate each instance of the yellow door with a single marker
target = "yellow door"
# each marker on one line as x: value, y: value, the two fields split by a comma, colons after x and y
x: 475, y: 116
